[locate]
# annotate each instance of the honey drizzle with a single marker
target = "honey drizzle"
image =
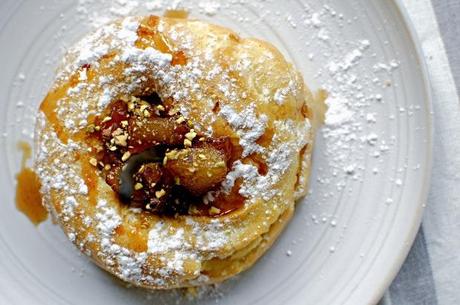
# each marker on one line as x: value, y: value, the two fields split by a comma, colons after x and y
x: 49, y: 105
x: 28, y: 196
x: 178, y: 14
x: 148, y: 33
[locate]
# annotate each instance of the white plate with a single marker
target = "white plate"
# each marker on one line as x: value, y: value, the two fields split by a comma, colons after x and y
x: 371, y: 171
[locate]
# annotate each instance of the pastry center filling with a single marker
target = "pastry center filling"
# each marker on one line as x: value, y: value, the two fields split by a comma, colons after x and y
x: 155, y: 160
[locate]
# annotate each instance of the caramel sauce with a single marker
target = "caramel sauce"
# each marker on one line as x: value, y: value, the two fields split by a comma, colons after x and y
x: 90, y: 177
x: 133, y: 239
x: 179, y: 14
x: 28, y: 196
x: 179, y: 58
x: 150, y: 37
x: 259, y: 162
x: 266, y: 139
x: 228, y: 203
x: 49, y: 105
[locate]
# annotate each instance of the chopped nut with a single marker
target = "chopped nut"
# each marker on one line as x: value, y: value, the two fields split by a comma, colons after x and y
x: 177, y: 180
x: 190, y: 135
x: 214, y: 211
x: 143, y: 107
x: 202, y: 157
x: 126, y: 156
x: 131, y: 106
x: 121, y: 140
x: 180, y: 120
x: 106, y: 119
x: 161, y: 108
x: 117, y: 132
x: 221, y: 164
x: 172, y: 155
x: 138, y: 186
x: 90, y: 128
x: 93, y: 161
x: 146, y: 113
x: 173, y: 111
x: 107, y: 167
x: 187, y: 143
x: 112, y: 148
x: 124, y: 123
x: 160, y: 193
x: 141, y: 170
x: 165, y: 160
x: 202, y: 139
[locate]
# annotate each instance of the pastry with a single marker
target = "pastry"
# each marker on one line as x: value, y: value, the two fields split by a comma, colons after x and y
x: 172, y: 151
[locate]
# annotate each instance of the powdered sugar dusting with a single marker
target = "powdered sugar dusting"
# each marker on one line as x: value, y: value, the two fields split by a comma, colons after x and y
x: 248, y: 126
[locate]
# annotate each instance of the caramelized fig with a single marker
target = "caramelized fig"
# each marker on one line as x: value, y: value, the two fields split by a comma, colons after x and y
x: 197, y: 169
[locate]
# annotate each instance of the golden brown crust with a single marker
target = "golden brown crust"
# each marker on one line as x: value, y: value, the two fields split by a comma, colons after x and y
x: 227, y: 86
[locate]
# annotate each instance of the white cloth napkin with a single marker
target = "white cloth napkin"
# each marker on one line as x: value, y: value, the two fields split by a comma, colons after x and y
x: 431, y: 273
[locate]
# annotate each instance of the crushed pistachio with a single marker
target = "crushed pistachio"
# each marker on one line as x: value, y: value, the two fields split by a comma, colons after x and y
x: 141, y: 169
x: 173, y: 111
x: 190, y: 135
x: 180, y: 120
x: 138, y: 186
x: 93, y: 161
x: 143, y: 107
x: 91, y: 128
x: 131, y: 106
x: 202, y: 156
x: 117, y: 132
x: 220, y: 164
x: 187, y: 143
x: 121, y: 140
x: 126, y: 156
x: 214, y: 211
x: 106, y: 119
x: 172, y: 155
x: 160, y: 193
x: 160, y: 108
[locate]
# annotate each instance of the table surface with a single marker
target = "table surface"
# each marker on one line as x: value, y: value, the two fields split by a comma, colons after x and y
x: 414, y: 283
x: 448, y: 14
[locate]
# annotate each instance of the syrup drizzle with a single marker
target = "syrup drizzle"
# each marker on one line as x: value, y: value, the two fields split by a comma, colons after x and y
x: 28, y: 196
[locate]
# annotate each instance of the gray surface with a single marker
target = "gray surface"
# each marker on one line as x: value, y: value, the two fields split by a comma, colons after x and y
x: 448, y: 14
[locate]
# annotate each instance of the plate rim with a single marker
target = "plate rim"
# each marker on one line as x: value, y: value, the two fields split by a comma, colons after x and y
x: 406, y: 246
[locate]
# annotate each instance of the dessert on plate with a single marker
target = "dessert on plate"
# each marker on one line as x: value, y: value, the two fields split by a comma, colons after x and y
x: 172, y: 151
